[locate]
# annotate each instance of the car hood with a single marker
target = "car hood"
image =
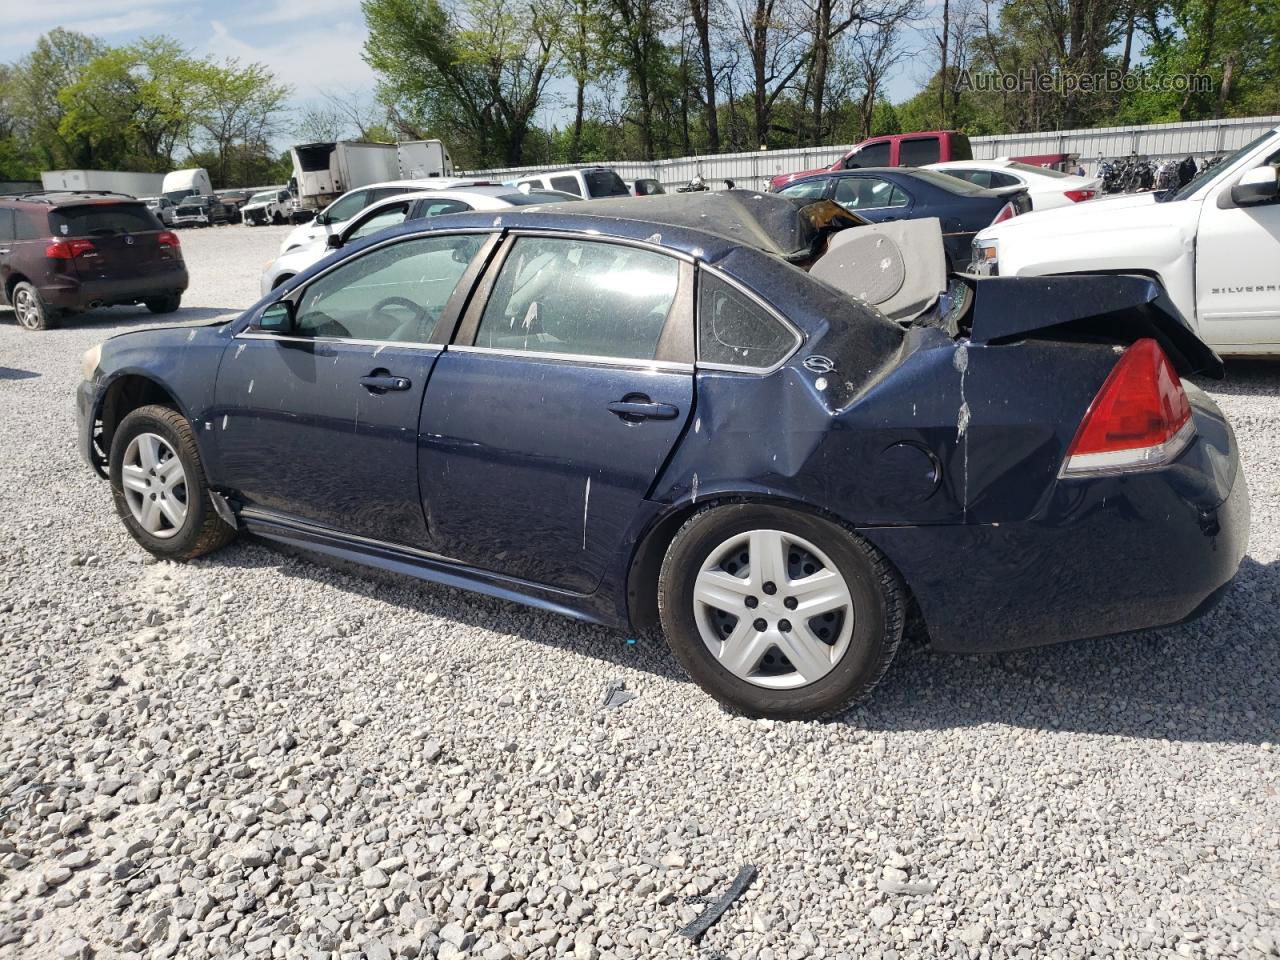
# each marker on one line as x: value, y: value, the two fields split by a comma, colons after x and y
x: 1094, y: 216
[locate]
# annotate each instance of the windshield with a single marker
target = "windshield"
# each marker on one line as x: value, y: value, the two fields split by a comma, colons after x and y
x: 262, y: 198
x: 1208, y: 173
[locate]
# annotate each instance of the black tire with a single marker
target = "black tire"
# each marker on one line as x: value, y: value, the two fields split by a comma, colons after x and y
x: 202, y: 531
x: 282, y: 280
x: 166, y: 304
x: 29, y: 308
x: 277, y: 218
x: 877, y: 592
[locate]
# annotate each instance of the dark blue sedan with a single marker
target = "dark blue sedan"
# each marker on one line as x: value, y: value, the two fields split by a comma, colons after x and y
x: 882, y: 194
x: 670, y: 411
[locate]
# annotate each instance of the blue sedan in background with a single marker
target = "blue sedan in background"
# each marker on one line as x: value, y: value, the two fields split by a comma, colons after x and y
x: 673, y: 412
x: 882, y: 194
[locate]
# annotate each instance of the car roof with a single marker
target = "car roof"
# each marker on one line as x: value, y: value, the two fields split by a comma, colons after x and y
x: 706, y: 226
x: 64, y: 198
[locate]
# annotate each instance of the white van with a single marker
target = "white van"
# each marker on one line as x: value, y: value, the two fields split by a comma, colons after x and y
x: 585, y: 182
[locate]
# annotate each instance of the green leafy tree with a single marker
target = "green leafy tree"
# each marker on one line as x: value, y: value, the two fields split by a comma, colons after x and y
x: 474, y: 73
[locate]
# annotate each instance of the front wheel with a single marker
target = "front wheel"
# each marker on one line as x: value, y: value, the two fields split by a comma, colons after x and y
x: 159, y: 487
x: 779, y: 613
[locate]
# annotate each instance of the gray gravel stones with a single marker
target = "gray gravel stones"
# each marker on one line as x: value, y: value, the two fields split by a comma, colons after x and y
x: 193, y: 764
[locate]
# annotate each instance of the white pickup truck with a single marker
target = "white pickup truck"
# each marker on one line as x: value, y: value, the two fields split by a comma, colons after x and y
x: 1214, y: 245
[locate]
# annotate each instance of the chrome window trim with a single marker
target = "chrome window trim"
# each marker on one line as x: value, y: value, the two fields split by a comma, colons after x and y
x: 263, y: 335
x: 760, y: 302
x: 591, y: 359
x: 586, y: 235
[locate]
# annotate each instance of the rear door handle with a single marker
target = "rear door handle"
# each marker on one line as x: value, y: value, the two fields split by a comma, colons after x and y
x: 381, y: 384
x: 638, y: 409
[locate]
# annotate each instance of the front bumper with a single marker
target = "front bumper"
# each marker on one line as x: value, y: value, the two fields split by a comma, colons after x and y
x: 67, y: 292
x: 88, y: 403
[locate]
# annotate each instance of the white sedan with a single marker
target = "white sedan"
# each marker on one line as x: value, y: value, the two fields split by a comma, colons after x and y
x: 395, y: 209
x: 1048, y: 188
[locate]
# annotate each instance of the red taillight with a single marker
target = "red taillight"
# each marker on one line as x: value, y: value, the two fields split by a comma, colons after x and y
x: 68, y: 249
x: 1140, y: 419
x: 1078, y: 196
x: 167, y: 238
x: 1007, y: 212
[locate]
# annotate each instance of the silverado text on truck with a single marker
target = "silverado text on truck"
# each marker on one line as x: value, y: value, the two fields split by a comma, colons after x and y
x: 1214, y: 245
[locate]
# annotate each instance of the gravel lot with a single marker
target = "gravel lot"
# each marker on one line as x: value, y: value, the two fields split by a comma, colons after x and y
x: 258, y: 755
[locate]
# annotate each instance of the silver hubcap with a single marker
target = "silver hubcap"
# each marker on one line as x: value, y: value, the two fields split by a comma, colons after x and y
x: 773, y: 609
x: 25, y: 308
x: 155, y: 485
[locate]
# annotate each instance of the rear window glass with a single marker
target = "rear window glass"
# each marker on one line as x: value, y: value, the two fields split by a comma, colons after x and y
x: 103, y: 220
x: 567, y: 184
x: 604, y: 183
x: 527, y: 199
x: 734, y: 330
x: 944, y: 182
x: 1043, y: 171
x: 918, y: 152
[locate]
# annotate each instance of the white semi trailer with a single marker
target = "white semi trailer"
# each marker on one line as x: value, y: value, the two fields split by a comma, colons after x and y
x: 421, y: 159
x: 117, y: 181
x: 325, y: 171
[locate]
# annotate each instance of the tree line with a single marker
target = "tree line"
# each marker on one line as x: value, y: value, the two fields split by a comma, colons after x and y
x: 649, y: 79
x: 74, y: 102
x: 524, y: 82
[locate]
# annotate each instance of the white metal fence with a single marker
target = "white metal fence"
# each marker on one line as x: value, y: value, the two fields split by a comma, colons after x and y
x: 1200, y: 139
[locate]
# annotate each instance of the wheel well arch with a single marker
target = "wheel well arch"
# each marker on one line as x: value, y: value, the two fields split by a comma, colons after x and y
x: 12, y: 281
x: 651, y: 549
x: 281, y: 280
x: 126, y: 394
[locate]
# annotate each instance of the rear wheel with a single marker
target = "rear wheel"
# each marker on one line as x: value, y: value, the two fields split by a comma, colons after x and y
x: 277, y: 218
x: 778, y: 613
x: 30, y: 309
x: 166, y: 304
x: 159, y: 488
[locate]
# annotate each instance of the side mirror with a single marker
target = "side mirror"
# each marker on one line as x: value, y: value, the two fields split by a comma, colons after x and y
x: 334, y: 241
x: 1256, y: 186
x: 320, y: 218
x: 277, y: 317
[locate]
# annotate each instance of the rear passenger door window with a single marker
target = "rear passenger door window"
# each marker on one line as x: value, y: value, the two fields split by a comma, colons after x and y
x: 735, y: 331
x: 567, y: 184
x: 7, y: 231
x: 918, y: 152
x: 582, y: 298
x: 438, y: 208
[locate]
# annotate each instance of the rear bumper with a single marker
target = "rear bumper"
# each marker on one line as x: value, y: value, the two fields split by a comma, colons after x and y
x: 72, y: 293
x: 1106, y: 556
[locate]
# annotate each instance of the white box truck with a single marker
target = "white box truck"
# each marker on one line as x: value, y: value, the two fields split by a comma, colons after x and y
x: 420, y: 159
x: 324, y: 171
x: 118, y: 181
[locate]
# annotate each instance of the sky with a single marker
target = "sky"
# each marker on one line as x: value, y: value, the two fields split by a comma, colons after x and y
x: 312, y: 45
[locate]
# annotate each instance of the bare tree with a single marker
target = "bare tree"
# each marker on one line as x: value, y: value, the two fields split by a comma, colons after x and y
x: 875, y: 53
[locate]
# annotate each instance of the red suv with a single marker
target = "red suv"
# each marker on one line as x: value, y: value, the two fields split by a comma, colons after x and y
x: 897, y: 150
x: 62, y: 252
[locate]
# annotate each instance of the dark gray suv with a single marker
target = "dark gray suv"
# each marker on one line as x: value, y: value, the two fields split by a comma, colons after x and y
x: 63, y: 252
